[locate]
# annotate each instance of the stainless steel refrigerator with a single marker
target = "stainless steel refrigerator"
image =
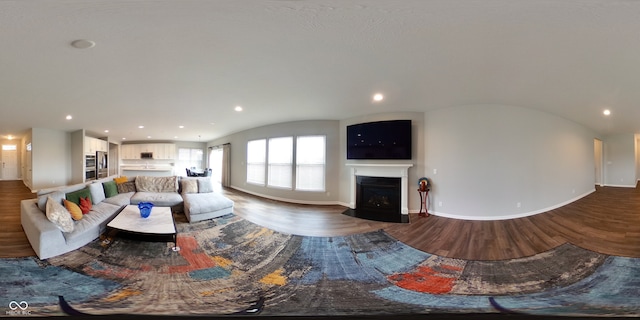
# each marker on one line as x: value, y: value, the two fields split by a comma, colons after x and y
x: 102, y: 164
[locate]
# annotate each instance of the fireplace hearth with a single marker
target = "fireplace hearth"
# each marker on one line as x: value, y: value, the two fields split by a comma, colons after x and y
x: 378, y: 198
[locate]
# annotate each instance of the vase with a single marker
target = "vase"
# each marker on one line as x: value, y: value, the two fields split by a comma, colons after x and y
x: 145, y: 209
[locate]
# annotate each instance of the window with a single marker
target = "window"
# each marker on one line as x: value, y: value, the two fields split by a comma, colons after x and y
x: 190, y: 158
x: 280, y: 162
x: 9, y: 147
x: 271, y: 162
x: 256, y: 158
x: 310, y: 163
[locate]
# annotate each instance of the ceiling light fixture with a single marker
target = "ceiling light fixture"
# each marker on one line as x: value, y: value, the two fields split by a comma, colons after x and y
x: 606, y: 112
x: 181, y: 127
x: 83, y: 44
x: 378, y: 97
x: 106, y: 131
x: 69, y: 117
x: 238, y: 108
x: 140, y: 127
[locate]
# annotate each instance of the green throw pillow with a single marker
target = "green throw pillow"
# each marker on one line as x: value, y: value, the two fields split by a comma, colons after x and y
x: 110, y: 189
x: 76, y: 195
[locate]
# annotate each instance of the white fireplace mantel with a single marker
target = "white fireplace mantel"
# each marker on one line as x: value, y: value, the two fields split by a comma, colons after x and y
x: 389, y: 170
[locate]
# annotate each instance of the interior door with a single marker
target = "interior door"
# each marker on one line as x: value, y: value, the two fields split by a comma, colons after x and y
x: 9, y: 162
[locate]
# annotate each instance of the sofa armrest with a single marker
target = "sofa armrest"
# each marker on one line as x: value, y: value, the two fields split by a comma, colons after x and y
x: 45, y: 237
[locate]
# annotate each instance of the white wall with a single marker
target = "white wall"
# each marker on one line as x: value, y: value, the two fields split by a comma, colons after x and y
x: 238, y: 141
x: 500, y: 162
x: 51, y: 158
x: 619, y: 160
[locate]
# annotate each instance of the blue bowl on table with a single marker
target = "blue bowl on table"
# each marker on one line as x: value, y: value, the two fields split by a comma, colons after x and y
x: 145, y: 209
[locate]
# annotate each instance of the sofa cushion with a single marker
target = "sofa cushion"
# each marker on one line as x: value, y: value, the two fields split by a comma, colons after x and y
x: 157, y: 184
x: 92, y: 223
x: 126, y: 187
x: 189, y: 186
x: 110, y: 189
x: 121, y: 199
x: 97, y: 192
x: 120, y: 180
x: 159, y: 199
x: 74, y: 210
x: 85, y: 205
x: 42, y: 199
x: 204, y: 184
x: 197, y: 203
x: 76, y: 195
x: 59, y: 215
x: 63, y: 189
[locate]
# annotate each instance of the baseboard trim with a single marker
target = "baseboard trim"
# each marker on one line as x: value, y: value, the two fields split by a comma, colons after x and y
x: 619, y: 185
x: 321, y: 203
x: 511, y: 216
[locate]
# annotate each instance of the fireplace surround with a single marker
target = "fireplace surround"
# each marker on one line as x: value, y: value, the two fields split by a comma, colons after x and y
x: 377, y: 203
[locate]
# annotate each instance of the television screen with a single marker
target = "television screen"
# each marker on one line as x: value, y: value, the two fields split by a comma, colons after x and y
x: 389, y: 140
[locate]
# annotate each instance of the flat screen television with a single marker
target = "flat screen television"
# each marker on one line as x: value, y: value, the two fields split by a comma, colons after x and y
x: 388, y: 140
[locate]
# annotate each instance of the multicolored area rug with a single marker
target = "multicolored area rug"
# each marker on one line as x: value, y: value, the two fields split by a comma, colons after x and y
x: 224, y: 264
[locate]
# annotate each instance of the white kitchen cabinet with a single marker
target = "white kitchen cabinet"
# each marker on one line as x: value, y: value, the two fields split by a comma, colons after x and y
x: 91, y: 145
x: 130, y: 151
x: 161, y: 151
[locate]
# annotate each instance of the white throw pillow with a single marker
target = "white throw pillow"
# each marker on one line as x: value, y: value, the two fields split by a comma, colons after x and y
x: 59, y: 215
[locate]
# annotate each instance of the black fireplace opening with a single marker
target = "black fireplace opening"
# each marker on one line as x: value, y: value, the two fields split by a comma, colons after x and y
x: 379, y: 199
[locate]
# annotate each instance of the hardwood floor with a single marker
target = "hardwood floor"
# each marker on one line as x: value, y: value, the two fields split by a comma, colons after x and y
x: 606, y: 221
x: 13, y: 241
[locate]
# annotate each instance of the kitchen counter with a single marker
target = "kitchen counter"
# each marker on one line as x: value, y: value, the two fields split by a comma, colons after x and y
x: 132, y: 171
x: 149, y: 168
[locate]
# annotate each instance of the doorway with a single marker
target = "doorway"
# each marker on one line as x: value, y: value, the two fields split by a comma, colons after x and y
x: 598, y: 160
x: 215, y: 163
x: 9, y: 162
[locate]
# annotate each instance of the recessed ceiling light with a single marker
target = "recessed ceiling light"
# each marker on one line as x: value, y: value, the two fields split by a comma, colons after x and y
x: 83, y: 44
x: 378, y: 97
x: 69, y: 117
x: 175, y: 137
x: 106, y: 131
x: 180, y: 127
x: 140, y: 127
x: 124, y: 138
x: 148, y: 137
x: 10, y: 137
x: 606, y: 112
x: 238, y: 108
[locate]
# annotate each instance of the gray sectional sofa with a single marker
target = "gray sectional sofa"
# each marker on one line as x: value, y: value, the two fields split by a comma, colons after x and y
x: 193, y: 196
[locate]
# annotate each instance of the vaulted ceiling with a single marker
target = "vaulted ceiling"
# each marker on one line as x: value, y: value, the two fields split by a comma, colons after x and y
x: 167, y: 63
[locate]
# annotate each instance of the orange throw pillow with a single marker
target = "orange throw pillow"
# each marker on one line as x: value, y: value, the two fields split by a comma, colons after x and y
x: 120, y: 180
x: 85, y: 205
x: 74, y: 210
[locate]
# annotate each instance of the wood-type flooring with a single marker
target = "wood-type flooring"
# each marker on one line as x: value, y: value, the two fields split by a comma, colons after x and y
x: 606, y: 221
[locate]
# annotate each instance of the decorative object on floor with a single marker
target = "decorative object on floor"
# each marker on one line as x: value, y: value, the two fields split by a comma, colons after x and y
x: 145, y: 209
x: 226, y: 262
x: 423, y: 184
x: 423, y: 190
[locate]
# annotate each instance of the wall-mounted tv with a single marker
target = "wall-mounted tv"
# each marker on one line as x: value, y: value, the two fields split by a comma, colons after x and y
x: 388, y: 140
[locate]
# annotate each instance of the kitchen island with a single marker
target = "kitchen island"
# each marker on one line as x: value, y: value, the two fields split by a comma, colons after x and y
x: 143, y: 170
